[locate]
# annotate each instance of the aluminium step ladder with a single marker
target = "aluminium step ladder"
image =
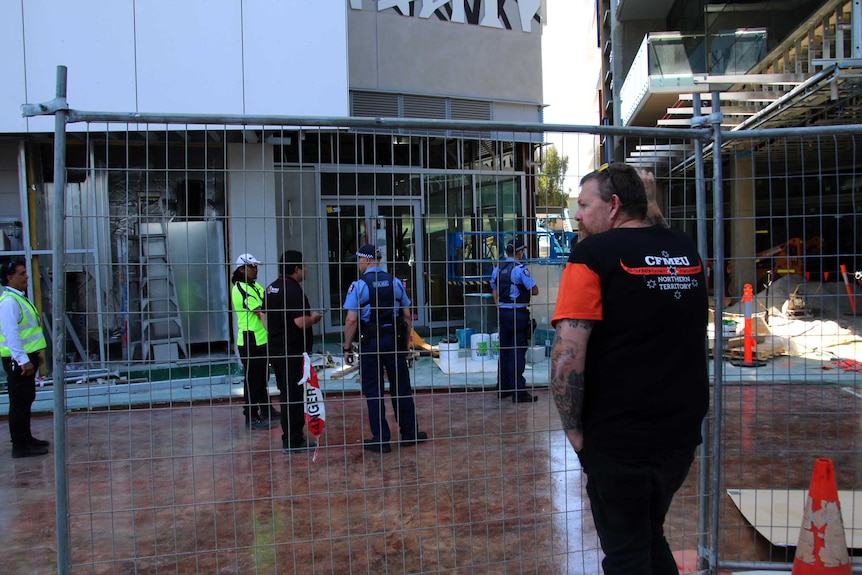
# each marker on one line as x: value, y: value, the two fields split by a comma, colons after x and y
x: 161, y: 327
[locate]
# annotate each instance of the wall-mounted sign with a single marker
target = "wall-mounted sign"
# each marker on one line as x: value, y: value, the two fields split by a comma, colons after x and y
x: 489, y: 13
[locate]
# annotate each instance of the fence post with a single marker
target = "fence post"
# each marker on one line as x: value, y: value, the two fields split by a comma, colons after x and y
x: 700, y: 207
x: 718, y: 290
x: 58, y: 313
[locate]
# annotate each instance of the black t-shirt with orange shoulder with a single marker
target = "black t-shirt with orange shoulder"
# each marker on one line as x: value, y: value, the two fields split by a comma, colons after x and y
x: 646, y: 367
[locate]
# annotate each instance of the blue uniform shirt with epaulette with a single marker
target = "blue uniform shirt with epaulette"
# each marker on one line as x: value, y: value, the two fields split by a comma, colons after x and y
x: 359, y: 299
x: 520, y: 285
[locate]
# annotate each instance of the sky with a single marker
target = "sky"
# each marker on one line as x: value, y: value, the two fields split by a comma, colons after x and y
x: 571, y: 63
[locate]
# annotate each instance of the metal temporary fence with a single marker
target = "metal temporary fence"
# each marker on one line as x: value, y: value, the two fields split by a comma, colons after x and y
x: 157, y: 472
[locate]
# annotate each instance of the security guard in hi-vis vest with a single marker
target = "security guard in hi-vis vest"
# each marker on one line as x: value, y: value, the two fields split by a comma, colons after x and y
x: 21, y: 345
x: 248, y: 299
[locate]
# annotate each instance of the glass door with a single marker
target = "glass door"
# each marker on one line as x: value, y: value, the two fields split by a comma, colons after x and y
x: 391, y: 224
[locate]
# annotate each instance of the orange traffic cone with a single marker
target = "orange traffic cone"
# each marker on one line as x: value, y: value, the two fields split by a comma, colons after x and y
x: 822, y: 547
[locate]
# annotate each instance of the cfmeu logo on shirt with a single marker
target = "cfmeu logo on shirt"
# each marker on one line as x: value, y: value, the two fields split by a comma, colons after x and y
x: 664, y: 265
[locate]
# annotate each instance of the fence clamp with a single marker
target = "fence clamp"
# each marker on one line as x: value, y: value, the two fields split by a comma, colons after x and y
x: 45, y: 109
x: 713, y: 118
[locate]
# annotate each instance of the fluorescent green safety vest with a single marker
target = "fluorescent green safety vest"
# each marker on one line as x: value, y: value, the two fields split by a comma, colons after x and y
x: 248, y: 299
x: 29, y: 328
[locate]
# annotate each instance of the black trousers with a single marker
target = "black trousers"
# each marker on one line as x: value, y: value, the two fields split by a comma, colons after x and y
x: 375, y: 355
x: 630, y: 494
x: 256, y: 366
x: 288, y: 371
x: 22, y: 394
x: 515, y: 332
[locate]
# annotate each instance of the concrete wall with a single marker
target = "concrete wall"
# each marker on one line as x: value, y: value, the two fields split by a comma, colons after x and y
x: 408, y: 54
x: 250, y: 206
x: 299, y: 226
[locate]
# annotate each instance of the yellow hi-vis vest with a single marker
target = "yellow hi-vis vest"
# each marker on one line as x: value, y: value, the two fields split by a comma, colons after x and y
x: 29, y: 328
x: 247, y: 300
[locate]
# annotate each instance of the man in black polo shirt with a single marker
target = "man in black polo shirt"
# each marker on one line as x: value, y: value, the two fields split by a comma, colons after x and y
x: 290, y: 321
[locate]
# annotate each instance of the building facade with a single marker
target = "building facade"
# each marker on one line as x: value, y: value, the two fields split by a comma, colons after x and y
x: 430, y: 199
x: 775, y: 65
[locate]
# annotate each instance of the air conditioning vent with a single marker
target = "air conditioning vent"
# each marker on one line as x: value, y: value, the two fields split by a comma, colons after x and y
x: 470, y: 110
x: 424, y: 107
x: 373, y: 105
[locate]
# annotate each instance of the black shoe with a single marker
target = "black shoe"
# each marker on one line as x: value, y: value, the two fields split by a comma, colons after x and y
x: 39, y: 442
x: 377, y: 447
x: 524, y: 397
x: 28, y: 451
x: 420, y: 437
x: 504, y: 394
x: 302, y: 446
x: 257, y: 424
x: 273, y: 413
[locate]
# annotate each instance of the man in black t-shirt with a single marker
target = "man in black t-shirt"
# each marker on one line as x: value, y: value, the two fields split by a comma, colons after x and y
x: 629, y: 367
x: 289, y: 322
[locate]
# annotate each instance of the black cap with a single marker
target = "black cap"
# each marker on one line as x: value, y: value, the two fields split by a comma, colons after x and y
x: 366, y: 251
x: 515, y: 244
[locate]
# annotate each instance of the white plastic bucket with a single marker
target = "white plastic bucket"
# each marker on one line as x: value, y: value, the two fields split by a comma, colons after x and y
x: 495, y: 345
x: 448, y: 355
x: 480, y: 346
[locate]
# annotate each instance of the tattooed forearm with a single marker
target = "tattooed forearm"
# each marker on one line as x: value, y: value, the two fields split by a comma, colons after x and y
x: 587, y: 324
x: 567, y: 370
x: 570, y: 401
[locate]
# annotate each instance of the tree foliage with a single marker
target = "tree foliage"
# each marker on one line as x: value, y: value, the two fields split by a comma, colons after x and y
x: 549, y: 186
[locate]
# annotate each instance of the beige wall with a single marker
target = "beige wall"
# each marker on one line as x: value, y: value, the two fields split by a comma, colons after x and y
x: 407, y: 54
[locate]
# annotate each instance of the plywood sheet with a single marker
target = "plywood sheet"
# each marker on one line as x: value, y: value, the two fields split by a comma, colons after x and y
x: 777, y: 513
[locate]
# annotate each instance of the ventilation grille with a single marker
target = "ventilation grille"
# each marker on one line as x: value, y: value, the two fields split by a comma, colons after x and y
x: 470, y: 110
x: 424, y: 107
x: 388, y: 105
x: 374, y: 105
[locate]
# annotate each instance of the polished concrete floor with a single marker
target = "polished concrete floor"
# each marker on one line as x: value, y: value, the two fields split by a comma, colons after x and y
x: 187, y: 489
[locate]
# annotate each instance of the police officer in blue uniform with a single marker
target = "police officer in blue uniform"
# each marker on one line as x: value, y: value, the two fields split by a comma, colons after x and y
x: 378, y: 312
x: 513, y: 286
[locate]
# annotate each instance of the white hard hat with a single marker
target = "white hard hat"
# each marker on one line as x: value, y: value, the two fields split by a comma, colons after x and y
x: 246, y: 260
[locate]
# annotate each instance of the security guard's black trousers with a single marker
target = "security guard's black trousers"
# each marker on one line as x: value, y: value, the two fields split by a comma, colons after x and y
x: 22, y: 394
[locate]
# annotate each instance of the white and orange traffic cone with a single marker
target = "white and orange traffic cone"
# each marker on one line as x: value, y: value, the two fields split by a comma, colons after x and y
x: 822, y: 547
x: 849, y: 287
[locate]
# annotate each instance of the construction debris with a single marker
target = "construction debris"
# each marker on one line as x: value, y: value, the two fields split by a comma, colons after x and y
x: 797, y: 318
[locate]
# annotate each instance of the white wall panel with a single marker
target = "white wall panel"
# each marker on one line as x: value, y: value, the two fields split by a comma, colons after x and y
x: 296, y: 57
x: 202, y: 56
x: 189, y: 56
x: 96, y: 44
x: 12, y: 89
